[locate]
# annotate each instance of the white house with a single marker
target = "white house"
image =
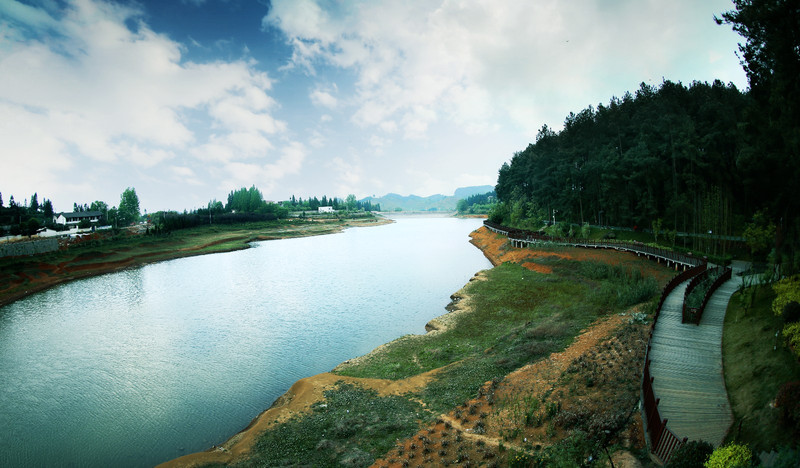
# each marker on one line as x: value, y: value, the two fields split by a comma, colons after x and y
x: 72, y: 219
x: 325, y: 209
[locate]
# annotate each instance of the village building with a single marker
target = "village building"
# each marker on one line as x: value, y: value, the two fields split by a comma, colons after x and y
x: 72, y: 219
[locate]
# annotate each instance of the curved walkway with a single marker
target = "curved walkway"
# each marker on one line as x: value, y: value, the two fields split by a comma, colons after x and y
x: 686, y: 364
x: 685, y: 359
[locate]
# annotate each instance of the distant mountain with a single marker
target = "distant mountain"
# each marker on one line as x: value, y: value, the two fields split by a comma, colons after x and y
x: 465, y: 192
x: 393, y: 201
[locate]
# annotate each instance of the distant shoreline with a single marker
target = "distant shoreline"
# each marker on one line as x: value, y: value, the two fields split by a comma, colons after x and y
x: 24, y: 276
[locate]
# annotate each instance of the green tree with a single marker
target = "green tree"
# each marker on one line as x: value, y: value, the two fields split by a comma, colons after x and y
x: 31, y: 227
x: 101, y: 207
x: 760, y: 234
x: 771, y: 58
x: 47, y: 209
x: 245, y: 200
x: 351, y: 202
x: 461, y: 206
x: 128, y: 211
x: 657, y: 225
x: 34, y: 203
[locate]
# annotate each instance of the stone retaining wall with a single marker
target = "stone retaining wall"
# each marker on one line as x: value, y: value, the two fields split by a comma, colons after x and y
x: 13, y: 249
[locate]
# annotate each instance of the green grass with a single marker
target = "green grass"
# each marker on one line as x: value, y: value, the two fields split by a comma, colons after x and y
x: 512, y: 297
x: 351, y: 427
x: 756, y: 365
x: 518, y: 316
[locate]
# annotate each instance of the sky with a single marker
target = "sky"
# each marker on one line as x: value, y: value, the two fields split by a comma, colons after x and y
x: 187, y: 100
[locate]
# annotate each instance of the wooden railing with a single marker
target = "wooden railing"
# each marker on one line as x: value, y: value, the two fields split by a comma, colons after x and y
x: 663, y: 441
x: 694, y: 315
x: 520, y: 236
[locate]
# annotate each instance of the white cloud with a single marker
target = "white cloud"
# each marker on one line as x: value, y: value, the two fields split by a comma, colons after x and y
x: 265, y: 176
x: 477, y: 62
x: 324, y: 98
x: 184, y: 175
x: 348, y: 175
x: 91, y: 90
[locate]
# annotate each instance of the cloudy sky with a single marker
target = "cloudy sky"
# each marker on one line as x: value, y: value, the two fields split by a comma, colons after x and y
x: 186, y: 100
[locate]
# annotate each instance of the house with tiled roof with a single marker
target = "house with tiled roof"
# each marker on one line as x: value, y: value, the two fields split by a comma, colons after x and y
x: 72, y: 219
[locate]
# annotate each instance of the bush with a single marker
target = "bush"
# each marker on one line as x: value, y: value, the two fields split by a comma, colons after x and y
x: 498, y: 213
x: 730, y: 456
x: 788, y: 400
x: 791, y: 312
x: 787, y: 458
x: 787, y: 290
x: 792, y: 334
x: 692, y: 454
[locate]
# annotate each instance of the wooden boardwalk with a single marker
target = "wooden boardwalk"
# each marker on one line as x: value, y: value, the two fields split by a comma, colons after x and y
x: 686, y: 364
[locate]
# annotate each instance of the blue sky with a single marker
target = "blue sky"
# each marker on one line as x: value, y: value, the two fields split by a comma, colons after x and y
x: 186, y: 100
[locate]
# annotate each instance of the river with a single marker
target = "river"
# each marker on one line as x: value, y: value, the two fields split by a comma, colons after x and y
x: 141, y: 366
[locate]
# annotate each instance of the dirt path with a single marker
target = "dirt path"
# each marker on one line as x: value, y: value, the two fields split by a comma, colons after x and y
x: 478, y: 420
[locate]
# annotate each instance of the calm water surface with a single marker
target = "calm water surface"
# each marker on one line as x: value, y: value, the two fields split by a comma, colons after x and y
x: 138, y: 367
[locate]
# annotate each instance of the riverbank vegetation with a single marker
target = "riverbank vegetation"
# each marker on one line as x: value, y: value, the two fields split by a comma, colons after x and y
x: 522, y: 368
x: 761, y: 373
x: 478, y: 204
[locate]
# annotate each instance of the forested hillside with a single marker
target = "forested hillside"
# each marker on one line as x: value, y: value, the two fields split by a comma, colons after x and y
x: 699, y: 158
x: 670, y: 153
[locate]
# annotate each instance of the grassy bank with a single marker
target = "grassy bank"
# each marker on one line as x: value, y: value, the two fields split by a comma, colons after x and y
x: 20, y: 276
x: 757, y: 364
x: 506, y: 319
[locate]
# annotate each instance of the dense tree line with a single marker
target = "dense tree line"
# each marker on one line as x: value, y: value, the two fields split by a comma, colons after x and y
x: 242, y: 205
x: 478, y: 203
x: 313, y: 203
x: 667, y: 153
x: 25, y: 218
x: 699, y: 158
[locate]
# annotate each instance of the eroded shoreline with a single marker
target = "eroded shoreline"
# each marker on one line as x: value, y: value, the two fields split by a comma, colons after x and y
x: 309, y: 390
x: 305, y: 392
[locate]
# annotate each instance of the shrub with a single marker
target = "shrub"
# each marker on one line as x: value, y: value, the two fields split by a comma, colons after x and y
x: 791, y: 312
x: 788, y: 400
x: 730, y: 456
x: 787, y: 290
x: 787, y: 458
x: 692, y: 454
x: 792, y: 334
